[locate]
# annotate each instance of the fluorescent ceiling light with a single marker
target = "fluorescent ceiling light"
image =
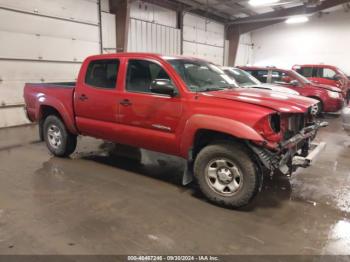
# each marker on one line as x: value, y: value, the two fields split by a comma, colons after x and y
x: 297, y: 20
x: 262, y: 2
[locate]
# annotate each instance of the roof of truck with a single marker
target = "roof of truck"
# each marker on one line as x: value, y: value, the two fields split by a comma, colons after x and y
x: 144, y: 55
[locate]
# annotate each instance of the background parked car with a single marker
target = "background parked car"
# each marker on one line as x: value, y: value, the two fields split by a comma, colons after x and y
x: 331, y: 98
x: 244, y: 79
x: 326, y: 74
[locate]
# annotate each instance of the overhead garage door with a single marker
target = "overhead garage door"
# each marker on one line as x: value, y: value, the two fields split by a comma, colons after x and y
x: 153, y: 29
x: 42, y: 41
x: 203, y: 38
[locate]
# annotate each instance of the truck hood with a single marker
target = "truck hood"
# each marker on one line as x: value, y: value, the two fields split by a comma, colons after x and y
x: 280, y: 102
x: 275, y: 88
x: 327, y: 87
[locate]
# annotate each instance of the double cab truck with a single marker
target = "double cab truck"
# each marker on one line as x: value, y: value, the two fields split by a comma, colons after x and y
x: 330, y: 98
x: 185, y: 107
x: 327, y: 75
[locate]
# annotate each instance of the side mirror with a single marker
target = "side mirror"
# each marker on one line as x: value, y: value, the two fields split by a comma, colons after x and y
x: 294, y: 83
x: 337, y: 77
x: 163, y: 86
x: 286, y: 79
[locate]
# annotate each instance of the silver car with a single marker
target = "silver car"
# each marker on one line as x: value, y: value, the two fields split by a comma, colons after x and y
x: 244, y: 79
x: 346, y: 118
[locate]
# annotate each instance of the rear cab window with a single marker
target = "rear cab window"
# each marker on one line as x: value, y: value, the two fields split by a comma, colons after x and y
x: 102, y: 73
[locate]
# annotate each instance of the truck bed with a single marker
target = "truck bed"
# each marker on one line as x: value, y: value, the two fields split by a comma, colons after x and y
x: 54, y: 85
x: 58, y: 96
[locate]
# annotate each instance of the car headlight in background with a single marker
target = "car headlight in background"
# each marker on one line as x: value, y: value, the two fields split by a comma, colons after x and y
x: 334, y: 94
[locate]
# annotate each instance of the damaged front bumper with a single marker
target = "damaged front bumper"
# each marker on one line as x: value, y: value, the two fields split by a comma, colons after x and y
x: 300, y: 161
x: 295, y: 152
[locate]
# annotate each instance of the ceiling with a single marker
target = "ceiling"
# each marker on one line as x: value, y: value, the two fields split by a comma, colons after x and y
x: 240, y: 11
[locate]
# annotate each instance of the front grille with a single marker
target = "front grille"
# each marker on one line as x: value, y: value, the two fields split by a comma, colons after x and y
x: 296, y: 123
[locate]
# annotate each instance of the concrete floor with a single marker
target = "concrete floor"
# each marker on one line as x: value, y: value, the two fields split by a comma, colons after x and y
x: 97, y: 203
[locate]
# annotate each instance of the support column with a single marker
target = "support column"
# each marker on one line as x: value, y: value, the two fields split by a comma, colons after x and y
x: 121, y: 9
x: 233, y: 35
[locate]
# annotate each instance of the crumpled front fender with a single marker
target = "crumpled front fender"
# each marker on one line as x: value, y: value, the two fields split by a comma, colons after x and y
x: 215, y: 123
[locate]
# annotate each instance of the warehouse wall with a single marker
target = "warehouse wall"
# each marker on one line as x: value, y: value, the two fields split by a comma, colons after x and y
x: 321, y: 40
x: 44, y: 41
x: 203, y: 38
x: 153, y: 29
x: 245, y: 50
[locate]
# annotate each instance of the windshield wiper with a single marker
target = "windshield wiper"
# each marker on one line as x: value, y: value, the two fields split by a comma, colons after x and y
x: 210, y: 89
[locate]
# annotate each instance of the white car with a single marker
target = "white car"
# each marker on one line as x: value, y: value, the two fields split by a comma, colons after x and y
x: 244, y: 79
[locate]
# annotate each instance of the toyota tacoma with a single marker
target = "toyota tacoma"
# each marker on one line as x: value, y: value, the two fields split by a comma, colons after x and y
x: 185, y: 107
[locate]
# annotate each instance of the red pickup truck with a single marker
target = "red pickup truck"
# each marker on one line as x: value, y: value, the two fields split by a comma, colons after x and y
x: 330, y: 98
x: 327, y: 75
x: 180, y: 106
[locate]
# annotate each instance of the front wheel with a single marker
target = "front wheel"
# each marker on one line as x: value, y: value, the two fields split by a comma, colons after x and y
x: 58, y: 140
x: 317, y: 109
x: 226, y: 175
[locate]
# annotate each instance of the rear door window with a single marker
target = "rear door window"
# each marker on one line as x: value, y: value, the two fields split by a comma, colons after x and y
x: 305, y: 71
x: 261, y: 75
x: 280, y: 77
x: 102, y: 73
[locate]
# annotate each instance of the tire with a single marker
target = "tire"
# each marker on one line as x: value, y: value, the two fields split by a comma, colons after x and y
x: 319, y: 109
x: 219, y: 168
x: 58, y: 140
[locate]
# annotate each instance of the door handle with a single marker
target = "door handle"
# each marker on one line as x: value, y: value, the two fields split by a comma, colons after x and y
x: 83, y: 97
x: 125, y: 102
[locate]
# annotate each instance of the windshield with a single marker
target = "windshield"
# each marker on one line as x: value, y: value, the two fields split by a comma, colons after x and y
x: 201, y: 76
x: 242, y: 78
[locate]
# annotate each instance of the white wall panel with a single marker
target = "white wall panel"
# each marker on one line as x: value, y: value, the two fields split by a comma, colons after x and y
x: 12, y: 117
x: 39, y: 25
x: 154, y: 38
x: 77, y: 10
x: 30, y: 71
x: 105, y: 6
x: 153, y: 13
x: 109, y: 37
x: 209, y: 53
x: 245, y: 50
x: 14, y: 74
x: 203, y: 38
x: 63, y: 32
x: 322, y: 40
x: 24, y: 46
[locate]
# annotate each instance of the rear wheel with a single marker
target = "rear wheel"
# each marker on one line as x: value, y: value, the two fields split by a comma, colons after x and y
x: 58, y: 139
x: 226, y: 175
x: 317, y: 109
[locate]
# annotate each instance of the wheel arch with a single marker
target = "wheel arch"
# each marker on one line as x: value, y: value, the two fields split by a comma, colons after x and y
x: 201, y: 130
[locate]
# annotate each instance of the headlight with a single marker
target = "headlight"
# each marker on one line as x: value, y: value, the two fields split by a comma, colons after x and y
x: 269, y: 127
x: 334, y: 94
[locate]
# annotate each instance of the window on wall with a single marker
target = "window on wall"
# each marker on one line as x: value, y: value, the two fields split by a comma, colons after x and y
x: 102, y: 73
x: 141, y: 74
